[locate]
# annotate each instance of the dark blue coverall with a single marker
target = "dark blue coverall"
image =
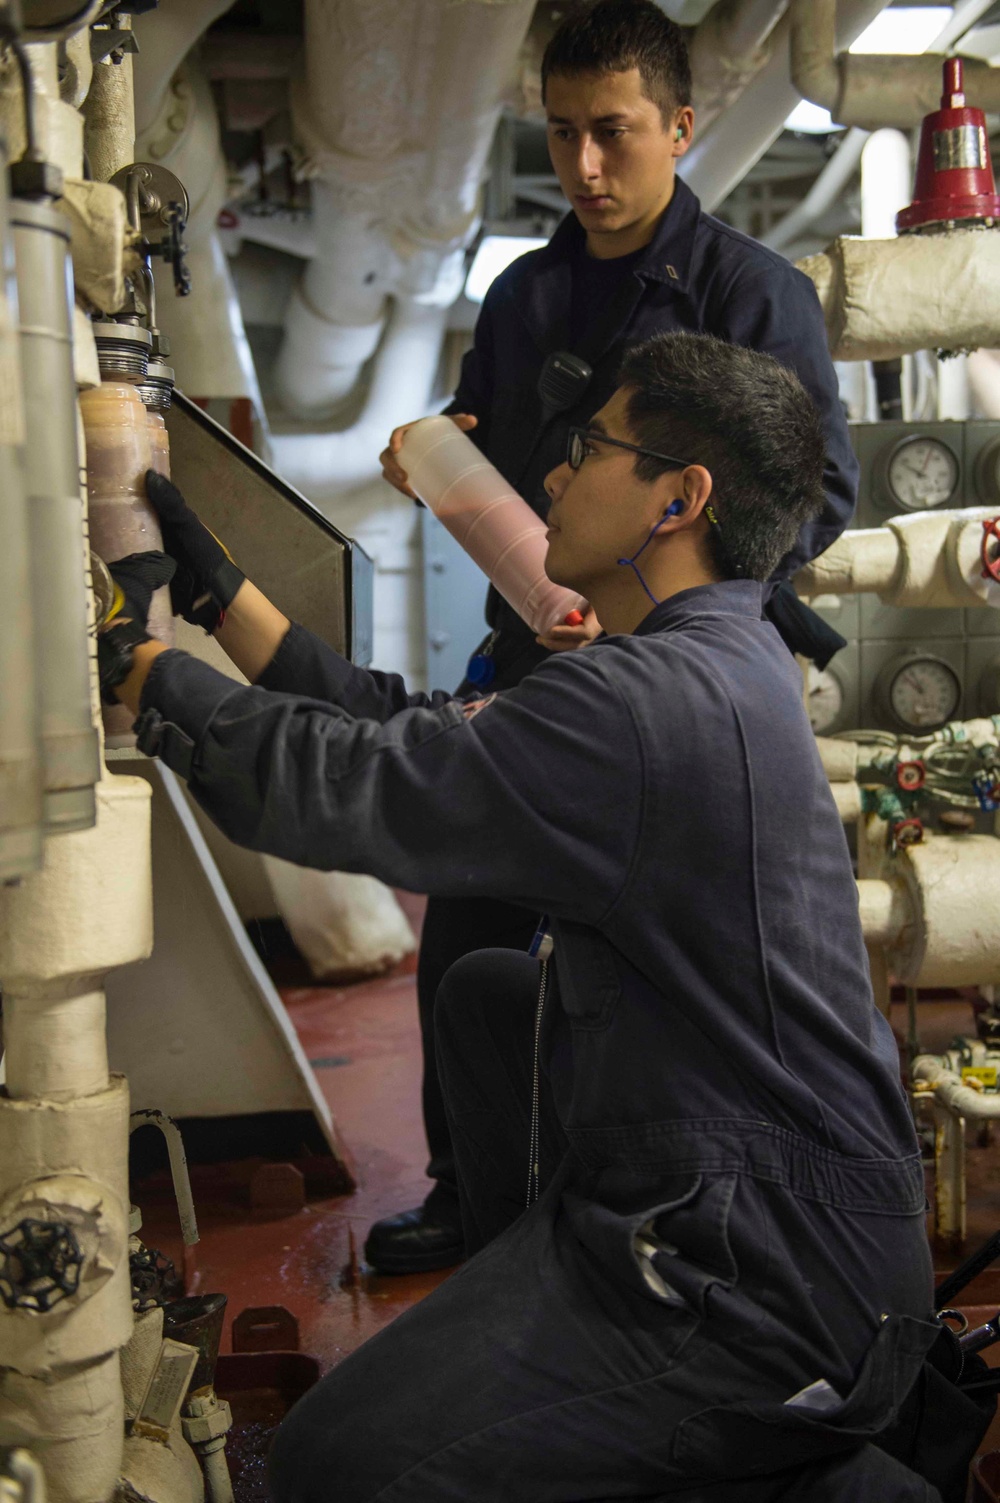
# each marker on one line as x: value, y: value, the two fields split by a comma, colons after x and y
x: 714, y: 1079
x: 696, y: 275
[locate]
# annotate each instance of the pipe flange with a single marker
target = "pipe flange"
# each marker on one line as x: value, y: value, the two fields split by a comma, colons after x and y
x: 122, y: 349
x: 157, y: 390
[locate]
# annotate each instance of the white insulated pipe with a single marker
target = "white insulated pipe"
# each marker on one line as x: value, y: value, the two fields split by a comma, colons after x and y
x: 953, y: 1091
x: 924, y: 559
x: 326, y: 464
x: 55, y: 1045
x: 870, y: 90
x: 20, y: 764
x: 729, y: 48
x: 392, y: 218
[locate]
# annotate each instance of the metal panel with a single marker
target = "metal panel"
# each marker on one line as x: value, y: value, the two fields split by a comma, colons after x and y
x: 310, y: 570
x: 968, y: 640
x: 454, y: 600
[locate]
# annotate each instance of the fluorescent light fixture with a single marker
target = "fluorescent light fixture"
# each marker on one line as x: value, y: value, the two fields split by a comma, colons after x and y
x: 811, y: 119
x: 904, y: 29
x: 494, y: 255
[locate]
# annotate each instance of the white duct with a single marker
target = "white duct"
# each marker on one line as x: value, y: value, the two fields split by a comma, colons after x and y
x: 728, y: 50
x: 870, y: 90
x: 392, y: 215
x: 883, y: 298
x: 921, y: 560
x: 723, y: 154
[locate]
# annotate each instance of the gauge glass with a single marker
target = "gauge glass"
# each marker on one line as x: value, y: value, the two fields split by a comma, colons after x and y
x: 922, y: 472
x: 825, y: 697
x: 924, y: 693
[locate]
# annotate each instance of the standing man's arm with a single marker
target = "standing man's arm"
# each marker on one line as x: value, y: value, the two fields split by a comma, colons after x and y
x: 778, y: 312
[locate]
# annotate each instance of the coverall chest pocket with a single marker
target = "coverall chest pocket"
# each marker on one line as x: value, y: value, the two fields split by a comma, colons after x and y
x: 590, y: 987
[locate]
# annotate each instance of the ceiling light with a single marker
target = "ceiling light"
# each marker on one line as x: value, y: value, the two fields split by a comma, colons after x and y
x: 494, y: 255
x: 904, y: 29
x: 811, y: 118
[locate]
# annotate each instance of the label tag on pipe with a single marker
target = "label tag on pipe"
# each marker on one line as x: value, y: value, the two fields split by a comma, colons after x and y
x: 985, y: 1074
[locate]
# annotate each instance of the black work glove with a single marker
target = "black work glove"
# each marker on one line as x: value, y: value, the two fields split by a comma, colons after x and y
x: 136, y: 578
x: 206, y: 579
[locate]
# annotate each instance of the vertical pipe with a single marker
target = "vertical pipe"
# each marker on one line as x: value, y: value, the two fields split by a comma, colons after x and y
x: 949, y: 1173
x: 20, y: 767
x: 69, y: 743
x: 109, y: 114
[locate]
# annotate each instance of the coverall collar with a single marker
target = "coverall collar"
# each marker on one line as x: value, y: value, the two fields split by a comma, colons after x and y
x: 666, y: 259
x: 728, y: 597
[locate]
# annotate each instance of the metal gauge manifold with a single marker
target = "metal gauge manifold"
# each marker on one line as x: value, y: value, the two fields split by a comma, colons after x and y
x: 918, y: 472
x: 918, y: 691
x: 824, y: 699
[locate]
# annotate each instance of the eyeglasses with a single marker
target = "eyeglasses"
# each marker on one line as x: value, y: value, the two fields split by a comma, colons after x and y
x: 576, y: 453
x: 576, y: 448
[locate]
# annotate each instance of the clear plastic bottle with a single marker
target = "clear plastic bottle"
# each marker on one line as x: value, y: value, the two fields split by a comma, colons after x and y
x: 122, y: 520
x: 159, y: 443
x: 495, y: 526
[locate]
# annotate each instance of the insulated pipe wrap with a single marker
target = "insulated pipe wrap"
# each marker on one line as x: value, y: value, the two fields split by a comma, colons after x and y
x: 20, y: 765
x: 70, y: 752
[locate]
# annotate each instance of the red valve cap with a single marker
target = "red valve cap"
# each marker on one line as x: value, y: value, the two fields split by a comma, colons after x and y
x: 575, y: 618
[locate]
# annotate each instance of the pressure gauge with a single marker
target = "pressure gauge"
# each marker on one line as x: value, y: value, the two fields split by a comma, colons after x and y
x: 919, y: 692
x: 825, y: 699
x: 921, y: 472
x: 988, y: 474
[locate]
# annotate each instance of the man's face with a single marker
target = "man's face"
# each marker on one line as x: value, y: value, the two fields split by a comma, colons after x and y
x: 612, y: 150
x: 600, y: 512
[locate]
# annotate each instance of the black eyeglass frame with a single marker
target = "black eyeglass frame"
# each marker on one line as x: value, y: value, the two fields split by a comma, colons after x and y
x: 583, y: 435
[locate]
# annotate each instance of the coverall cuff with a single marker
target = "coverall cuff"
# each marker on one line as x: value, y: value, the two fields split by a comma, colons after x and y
x: 301, y: 662
x: 178, y: 702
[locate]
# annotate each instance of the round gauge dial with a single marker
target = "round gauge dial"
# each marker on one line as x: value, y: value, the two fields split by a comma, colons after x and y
x: 922, y: 693
x: 988, y: 474
x: 824, y: 697
x: 921, y: 472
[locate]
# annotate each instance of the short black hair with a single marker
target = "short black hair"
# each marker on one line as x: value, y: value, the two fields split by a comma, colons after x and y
x: 614, y: 36
x: 750, y: 422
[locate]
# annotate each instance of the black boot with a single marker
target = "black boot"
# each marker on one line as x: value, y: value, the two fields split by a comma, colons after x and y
x: 418, y: 1241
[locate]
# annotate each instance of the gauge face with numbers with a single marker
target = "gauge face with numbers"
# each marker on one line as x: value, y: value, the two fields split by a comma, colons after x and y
x: 825, y: 696
x: 922, y: 472
x: 923, y: 693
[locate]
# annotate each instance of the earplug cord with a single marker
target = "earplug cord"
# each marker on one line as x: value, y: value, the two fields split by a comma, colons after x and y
x: 630, y: 563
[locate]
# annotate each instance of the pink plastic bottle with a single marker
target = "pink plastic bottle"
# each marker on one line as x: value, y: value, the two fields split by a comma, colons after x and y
x: 491, y: 521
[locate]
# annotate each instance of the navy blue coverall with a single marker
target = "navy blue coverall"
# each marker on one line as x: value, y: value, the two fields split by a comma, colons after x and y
x: 696, y: 275
x: 731, y: 1195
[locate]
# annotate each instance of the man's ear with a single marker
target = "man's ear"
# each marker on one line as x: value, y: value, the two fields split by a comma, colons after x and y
x: 697, y: 489
x: 682, y: 130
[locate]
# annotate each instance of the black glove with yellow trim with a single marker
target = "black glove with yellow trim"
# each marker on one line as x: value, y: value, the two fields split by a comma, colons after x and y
x: 206, y: 579
x: 136, y: 579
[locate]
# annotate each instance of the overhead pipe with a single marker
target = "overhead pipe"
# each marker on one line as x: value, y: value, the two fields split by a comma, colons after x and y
x: 868, y: 89
x: 391, y: 220
x: 722, y: 155
x: 728, y: 50
x: 177, y: 127
x: 823, y: 194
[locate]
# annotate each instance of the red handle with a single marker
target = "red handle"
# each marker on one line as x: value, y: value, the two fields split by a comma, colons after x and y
x: 573, y: 619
